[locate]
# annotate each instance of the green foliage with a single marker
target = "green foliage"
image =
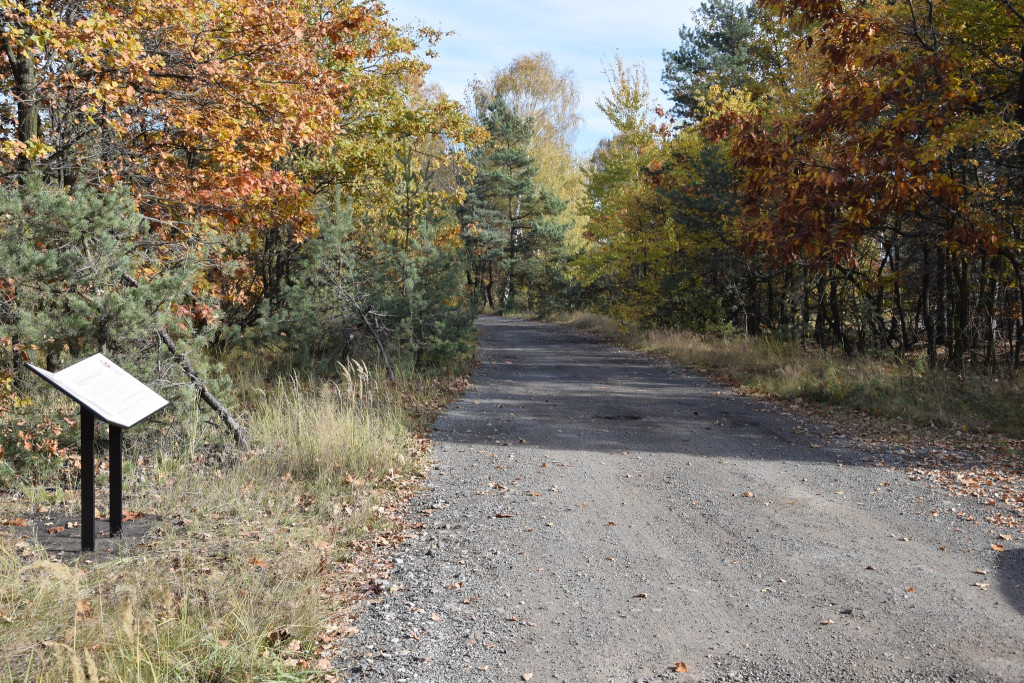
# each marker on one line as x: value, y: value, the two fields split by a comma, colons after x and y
x: 65, y: 297
x: 350, y: 285
x: 733, y: 46
x: 509, y: 221
x: 65, y: 256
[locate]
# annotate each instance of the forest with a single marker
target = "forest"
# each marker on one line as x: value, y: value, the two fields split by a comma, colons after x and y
x: 275, y: 196
x: 284, y: 182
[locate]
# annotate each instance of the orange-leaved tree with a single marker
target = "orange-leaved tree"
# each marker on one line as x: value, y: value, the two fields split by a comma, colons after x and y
x: 211, y: 111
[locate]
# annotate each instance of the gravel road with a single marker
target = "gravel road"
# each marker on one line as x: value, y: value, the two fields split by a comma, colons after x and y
x: 598, y: 516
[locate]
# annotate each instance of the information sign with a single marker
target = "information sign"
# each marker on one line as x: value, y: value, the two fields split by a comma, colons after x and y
x: 105, y: 391
x: 100, y: 385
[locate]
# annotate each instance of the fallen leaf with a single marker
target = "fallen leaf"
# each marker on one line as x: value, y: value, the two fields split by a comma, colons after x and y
x: 983, y: 572
x: 640, y: 595
x: 872, y: 567
x: 504, y: 515
x: 83, y: 609
x: 294, y: 646
x: 681, y: 668
x: 55, y: 530
x: 132, y: 515
x: 435, y: 617
x: 982, y: 586
x: 910, y: 590
x: 527, y: 676
x: 748, y: 494
x: 1006, y: 537
x: 277, y: 637
x: 18, y: 521
x: 610, y: 524
x: 323, y: 664
x: 998, y: 548
x: 827, y: 622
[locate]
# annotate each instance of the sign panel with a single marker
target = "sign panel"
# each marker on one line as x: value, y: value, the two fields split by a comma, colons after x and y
x: 100, y: 385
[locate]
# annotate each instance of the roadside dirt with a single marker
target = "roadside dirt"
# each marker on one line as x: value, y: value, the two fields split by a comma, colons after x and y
x: 598, y: 516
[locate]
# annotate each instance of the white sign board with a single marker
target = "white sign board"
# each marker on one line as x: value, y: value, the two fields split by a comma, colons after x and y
x: 97, y: 383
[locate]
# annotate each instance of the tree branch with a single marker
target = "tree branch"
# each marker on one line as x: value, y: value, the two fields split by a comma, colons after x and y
x: 204, y: 393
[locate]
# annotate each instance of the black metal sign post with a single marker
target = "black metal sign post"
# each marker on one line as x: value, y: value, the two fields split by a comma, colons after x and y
x: 107, y: 392
x: 115, y: 481
x: 88, y: 421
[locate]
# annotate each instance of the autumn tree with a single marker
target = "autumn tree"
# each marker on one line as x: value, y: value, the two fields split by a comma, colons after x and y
x: 230, y: 125
x: 225, y: 118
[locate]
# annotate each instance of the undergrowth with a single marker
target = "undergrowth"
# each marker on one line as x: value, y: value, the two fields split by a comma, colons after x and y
x: 229, y: 586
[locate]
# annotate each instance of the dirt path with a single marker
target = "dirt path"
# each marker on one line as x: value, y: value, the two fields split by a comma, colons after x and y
x: 598, y: 517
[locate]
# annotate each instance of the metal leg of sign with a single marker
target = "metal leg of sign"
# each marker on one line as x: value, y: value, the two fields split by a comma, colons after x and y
x: 88, y: 481
x: 115, y: 480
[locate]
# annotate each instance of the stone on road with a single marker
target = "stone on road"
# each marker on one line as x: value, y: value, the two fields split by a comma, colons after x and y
x: 598, y: 516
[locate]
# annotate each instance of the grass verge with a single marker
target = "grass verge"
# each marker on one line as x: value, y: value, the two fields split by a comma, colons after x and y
x: 907, y: 391
x: 244, y: 578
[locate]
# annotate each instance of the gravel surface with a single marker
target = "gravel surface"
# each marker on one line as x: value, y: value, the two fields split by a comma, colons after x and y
x: 598, y: 516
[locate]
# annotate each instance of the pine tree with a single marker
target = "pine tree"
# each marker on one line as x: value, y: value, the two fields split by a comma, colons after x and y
x: 508, y: 220
x: 77, y: 279
x: 733, y: 46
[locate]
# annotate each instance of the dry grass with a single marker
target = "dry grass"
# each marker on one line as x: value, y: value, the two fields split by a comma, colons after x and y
x: 230, y: 586
x: 907, y: 391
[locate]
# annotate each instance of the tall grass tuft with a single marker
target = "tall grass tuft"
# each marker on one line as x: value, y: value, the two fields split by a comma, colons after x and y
x: 327, y: 432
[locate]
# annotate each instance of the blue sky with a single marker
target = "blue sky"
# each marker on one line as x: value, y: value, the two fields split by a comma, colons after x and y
x: 491, y: 33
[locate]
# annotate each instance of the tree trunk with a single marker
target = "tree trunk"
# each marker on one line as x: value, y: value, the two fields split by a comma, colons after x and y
x: 23, y: 72
x: 959, y: 322
x: 897, y: 294
x: 836, y: 319
x: 204, y: 393
x: 926, y: 305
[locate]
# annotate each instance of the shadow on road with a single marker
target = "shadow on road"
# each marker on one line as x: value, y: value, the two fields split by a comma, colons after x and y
x: 616, y: 400
x: 1010, y: 577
